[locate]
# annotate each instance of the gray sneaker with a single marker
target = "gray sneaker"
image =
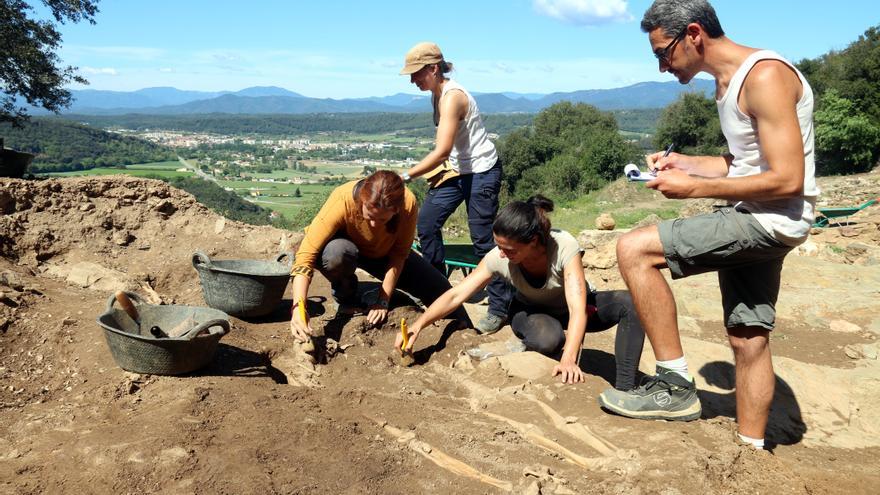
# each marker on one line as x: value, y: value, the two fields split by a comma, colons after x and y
x: 665, y: 396
x: 490, y: 324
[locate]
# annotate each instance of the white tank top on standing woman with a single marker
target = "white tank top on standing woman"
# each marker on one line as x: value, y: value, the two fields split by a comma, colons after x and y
x: 788, y: 220
x: 472, y: 152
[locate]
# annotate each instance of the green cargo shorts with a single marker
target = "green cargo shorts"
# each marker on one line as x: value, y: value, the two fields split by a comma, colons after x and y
x: 734, y: 244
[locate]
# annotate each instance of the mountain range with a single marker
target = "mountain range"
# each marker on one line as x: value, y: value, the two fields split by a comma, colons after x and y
x: 275, y: 100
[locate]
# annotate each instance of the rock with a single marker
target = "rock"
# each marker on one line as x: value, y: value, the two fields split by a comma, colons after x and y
x: 12, y: 280
x: 90, y: 275
x: 601, y: 258
x: 593, y: 239
x: 848, y: 231
x: 219, y: 225
x: 852, y: 352
x: 651, y: 219
x: 122, y: 238
x: 605, y: 222
x: 527, y: 365
x: 869, y: 351
x: 533, y: 489
x: 844, y: 326
x: 463, y: 363
x: 165, y: 208
x: 808, y: 248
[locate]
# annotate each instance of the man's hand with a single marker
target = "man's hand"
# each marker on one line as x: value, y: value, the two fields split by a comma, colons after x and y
x: 377, y: 314
x: 568, y: 372
x: 656, y: 162
x: 674, y: 184
x: 299, y: 328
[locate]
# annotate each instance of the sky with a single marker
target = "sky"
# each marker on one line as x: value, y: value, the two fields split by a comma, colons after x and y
x: 352, y: 49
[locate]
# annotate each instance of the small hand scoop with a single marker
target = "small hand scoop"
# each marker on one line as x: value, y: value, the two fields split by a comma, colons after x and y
x: 128, y: 306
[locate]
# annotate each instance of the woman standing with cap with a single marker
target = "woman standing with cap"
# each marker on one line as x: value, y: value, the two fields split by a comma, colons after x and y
x: 463, y: 166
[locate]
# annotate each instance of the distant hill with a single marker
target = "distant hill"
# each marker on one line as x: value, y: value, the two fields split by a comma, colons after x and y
x: 267, y: 91
x: 61, y: 146
x: 275, y: 100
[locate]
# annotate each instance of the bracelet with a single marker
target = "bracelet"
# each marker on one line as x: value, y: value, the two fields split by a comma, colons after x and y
x: 405, y: 176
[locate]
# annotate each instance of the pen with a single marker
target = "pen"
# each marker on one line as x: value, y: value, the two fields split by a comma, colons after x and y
x: 665, y: 154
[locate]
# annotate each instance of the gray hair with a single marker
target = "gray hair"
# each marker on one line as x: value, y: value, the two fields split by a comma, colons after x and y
x: 674, y: 15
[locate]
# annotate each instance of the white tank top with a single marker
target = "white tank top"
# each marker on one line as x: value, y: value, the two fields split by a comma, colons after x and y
x: 787, y: 220
x: 472, y: 152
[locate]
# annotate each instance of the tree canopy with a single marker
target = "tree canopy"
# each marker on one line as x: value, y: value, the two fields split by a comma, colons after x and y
x: 571, y: 149
x: 691, y: 122
x: 846, y: 86
x: 29, y: 66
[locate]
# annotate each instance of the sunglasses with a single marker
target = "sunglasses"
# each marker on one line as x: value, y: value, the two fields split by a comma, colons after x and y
x: 664, y: 54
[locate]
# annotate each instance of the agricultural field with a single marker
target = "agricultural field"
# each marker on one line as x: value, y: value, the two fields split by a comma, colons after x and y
x: 141, y: 170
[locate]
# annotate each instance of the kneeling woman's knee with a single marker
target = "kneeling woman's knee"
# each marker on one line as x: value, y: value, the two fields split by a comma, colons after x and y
x: 540, y: 333
x: 339, y: 257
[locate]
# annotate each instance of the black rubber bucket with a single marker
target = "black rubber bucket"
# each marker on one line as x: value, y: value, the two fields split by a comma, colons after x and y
x: 243, y: 288
x: 14, y: 163
x: 135, y: 349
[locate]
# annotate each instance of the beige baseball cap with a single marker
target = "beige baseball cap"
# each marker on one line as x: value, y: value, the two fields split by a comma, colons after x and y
x: 424, y: 53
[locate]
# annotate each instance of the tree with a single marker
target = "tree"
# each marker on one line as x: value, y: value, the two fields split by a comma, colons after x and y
x: 691, y: 122
x: 29, y: 65
x: 847, y: 141
x: 854, y: 72
x: 572, y: 149
x: 297, y: 193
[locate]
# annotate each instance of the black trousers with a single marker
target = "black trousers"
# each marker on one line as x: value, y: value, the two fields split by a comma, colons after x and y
x: 544, y: 332
x: 340, y: 257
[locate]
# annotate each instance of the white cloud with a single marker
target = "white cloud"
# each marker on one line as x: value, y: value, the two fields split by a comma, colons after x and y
x: 166, y: 69
x: 584, y: 12
x: 106, y: 71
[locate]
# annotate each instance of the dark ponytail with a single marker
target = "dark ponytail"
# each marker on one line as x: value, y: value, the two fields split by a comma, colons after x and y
x: 522, y: 221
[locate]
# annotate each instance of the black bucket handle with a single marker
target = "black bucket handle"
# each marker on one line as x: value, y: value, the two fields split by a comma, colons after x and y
x: 131, y: 295
x: 285, y: 254
x: 200, y: 258
x: 195, y: 331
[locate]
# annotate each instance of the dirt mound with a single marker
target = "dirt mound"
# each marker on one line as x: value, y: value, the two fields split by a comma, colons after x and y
x: 263, y: 419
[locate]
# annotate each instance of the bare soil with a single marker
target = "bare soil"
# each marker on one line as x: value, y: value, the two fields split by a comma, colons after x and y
x: 262, y: 419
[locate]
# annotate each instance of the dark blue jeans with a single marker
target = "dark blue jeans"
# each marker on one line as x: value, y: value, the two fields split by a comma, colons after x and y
x: 480, y: 194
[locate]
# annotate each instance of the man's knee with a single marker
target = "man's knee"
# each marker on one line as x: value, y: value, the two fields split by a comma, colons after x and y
x: 748, y: 343
x: 637, y: 246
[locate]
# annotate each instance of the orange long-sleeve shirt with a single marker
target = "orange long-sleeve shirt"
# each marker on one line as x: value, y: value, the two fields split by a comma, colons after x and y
x: 340, y: 214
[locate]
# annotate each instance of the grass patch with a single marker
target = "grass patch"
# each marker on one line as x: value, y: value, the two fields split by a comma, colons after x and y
x: 146, y: 172
x: 169, y: 165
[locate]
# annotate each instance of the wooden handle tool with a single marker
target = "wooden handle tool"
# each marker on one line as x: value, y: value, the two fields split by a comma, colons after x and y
x: 405, y: 334
x: 128, y: 306
x: 406, y: 357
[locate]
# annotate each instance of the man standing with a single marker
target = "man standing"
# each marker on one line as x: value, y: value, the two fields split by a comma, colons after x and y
x: 765, y: 106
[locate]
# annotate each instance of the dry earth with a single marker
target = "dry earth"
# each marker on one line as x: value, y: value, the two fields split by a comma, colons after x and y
x: 261, y: 419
